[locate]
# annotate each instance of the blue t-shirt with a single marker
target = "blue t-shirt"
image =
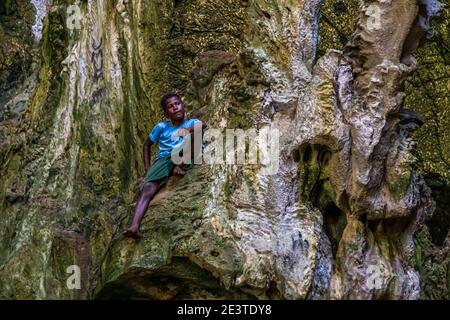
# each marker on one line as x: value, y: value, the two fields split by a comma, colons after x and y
x: 163, y: 132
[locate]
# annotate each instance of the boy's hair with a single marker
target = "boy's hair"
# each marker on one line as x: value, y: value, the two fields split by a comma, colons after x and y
x: 167, y: 97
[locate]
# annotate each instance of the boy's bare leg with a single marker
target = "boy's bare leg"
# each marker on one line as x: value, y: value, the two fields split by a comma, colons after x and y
x: 147, y: 194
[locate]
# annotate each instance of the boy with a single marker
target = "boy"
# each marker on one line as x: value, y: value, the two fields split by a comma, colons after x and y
x: 170, y: 135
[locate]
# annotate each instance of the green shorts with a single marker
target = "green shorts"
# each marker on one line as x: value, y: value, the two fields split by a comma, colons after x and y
x: 161, y: 169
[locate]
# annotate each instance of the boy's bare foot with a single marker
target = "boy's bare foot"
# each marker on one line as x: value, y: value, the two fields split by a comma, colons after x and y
x: 131, y: 232
x: 177, y: 171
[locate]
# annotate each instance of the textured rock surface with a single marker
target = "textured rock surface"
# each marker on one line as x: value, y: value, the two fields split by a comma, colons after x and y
x: 426, y: 92
x: 336, y: 221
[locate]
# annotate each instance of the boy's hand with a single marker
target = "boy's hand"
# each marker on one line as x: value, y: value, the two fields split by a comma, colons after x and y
x: 182, y: 132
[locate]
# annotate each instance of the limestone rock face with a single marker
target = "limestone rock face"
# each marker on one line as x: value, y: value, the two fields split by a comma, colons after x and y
x: 335, y: 219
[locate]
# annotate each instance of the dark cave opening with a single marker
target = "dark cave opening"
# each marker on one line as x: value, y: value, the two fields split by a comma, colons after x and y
x: 273, y: 292
x: 372, y: 225
x: 7, y: 8
x: 163, y: 287
x: 317, y: 189
x: 439, y: 224
x: 179, y: 280
x: 307, y: 154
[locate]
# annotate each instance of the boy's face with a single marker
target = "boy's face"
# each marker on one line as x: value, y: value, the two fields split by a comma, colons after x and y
x: 174, y: 109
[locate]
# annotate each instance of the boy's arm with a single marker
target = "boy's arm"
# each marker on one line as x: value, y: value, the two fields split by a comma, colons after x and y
x: 189, y: 130
x: 146, y: 153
